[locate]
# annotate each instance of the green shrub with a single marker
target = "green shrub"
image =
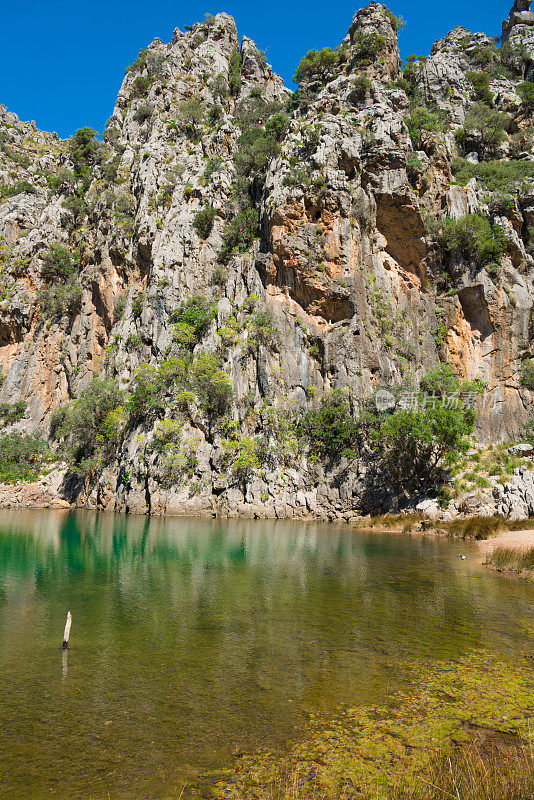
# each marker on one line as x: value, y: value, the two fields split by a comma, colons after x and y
x: 255, y: 149
x: 143, y: 113
x: 63, y: 179
x: 360, y: 86
x: 91, y: 427
x: 58, y: 265
x: 239, y: 232
x: 139, y: 63
x: 63, y: 299
x: 203, y: 221
x: 138, y: 303
x: 219, y: 86
x: 496, y: 176
x: 514, y: 57
x: 212, y: 167
x: 147, y: 397
x: 527, y: 374
x: 367, y: 46
x: 218, y: 276
x: 421, y: 119
x: 184, y: 335
x: 264, y: 328
x: 85, y: 152
x: 299, y: 176
x: 124, y: 207
x: 21, y: 187
x: 526, y: 93
x: 22, y: 457
x: 197, y: 312
x: 474, y: 237
x: 416, y: 446
x: 11, y: 412
x: 234, y: 72
x: 15, y: 155
x: 396, y: 22
x: 167, y: 431
x: 481, y: 82
x: 119, y: 307
x: 317, y: 63
x: 277, y: 126
x: 211, y: 384
x: 191, y: 115
x: 76, y: 206
x: 140, y: 86
x: 440, y: 380
x: 331, y: 428
x: 151, y: 387
x: 484, y: 126
x: 245, y: 460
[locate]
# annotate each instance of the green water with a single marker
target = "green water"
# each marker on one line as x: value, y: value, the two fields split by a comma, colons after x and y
x: 192, y: 639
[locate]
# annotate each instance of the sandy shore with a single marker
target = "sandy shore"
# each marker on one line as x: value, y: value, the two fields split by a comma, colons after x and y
x: 511, y: 540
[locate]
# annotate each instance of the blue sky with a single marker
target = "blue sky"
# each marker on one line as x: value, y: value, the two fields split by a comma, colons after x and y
x: 62, y: 63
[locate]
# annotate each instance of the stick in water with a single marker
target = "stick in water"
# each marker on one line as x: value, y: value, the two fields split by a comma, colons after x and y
x: 67, y: 631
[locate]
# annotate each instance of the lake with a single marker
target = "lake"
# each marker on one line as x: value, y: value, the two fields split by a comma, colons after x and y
x: 195, y: 639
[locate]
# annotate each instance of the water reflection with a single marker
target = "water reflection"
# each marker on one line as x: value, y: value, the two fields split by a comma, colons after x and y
x: 191, y: 637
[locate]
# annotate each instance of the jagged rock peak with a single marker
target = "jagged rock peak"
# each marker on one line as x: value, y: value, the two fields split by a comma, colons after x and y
x: 219, y: 28
x: 375, y: 21
x: 520, y: 15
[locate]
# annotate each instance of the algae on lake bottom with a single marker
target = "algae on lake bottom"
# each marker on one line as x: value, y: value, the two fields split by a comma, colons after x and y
x: 363, y: 748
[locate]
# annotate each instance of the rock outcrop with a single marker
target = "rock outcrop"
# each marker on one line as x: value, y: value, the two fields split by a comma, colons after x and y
x: 354, y: 291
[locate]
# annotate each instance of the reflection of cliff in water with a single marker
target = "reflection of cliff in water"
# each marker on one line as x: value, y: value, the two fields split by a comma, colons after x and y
x: 359, y: 587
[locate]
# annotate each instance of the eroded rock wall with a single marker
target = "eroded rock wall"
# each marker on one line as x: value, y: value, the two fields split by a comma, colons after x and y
x: 344, y: 262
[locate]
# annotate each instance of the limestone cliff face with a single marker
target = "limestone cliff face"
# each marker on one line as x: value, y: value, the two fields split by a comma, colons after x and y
x: 344, y: 261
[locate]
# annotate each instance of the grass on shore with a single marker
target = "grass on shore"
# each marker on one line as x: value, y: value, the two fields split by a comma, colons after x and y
x: 465, y: 528
x: 506, y: 558
x: 469, y: 774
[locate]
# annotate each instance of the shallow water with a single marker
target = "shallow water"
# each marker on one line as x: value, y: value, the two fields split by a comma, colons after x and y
x: 194, y: 638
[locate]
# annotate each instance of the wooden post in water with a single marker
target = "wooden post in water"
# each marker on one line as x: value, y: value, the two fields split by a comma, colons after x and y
x: 67, y: 631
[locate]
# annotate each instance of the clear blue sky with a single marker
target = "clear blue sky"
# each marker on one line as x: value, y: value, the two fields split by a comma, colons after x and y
x: 62, y: 63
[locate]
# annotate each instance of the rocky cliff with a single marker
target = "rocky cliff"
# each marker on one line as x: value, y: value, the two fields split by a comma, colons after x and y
x: 233, y: 252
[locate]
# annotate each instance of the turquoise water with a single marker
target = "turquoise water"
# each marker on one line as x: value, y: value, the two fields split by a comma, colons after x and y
x: 194, y: 639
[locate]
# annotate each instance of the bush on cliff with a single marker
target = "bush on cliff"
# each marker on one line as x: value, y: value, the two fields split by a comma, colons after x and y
x: 240, y: 232
x: 22, y: 457
x: 525, y: 91
x: 317, y: 64
x: 527, y: 374
x: 191, y: 115
x: 330, y: 429
x: 496, y: 176
x: 85, y: 152
x: 90, y: 428
x: 474, y: 238
x: 440, y: 380
x: 211, y: 384
x: 416, y: 447
x: 196, y: 312
x: 203, y: 221
x: 234, y: 72
x: 367, y: 46
x: 11, y: 412
x: 484, y: 129
x: 140, y: 86
x: 61, y: 300
x: 58, y: 264
x: 480, y: 82
x: 153, y: 387
x: 421, y: 119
